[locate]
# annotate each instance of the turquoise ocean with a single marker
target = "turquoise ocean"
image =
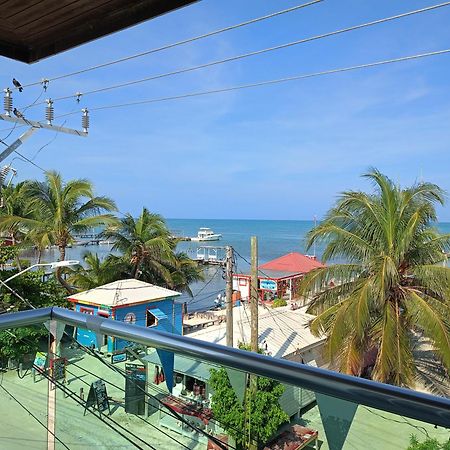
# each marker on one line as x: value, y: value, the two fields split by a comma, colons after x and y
x: 275, y: 238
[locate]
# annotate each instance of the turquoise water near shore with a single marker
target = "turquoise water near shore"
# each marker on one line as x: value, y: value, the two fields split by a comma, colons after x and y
x: 275, y: 238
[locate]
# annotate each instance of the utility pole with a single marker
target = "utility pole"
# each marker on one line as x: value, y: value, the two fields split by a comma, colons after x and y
x: 229, y: 295
x: 33, y: 125
x: 254, y: 295
x: 254, y: 300
x: 51, y: 395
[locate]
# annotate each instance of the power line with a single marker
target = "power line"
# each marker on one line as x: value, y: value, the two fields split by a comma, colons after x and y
x: 269, y: 82
x: 254, y: 53
x: 123, y: 390
x: 81, y: 402
x: 30, y: 161
x: 175, y: 44
x: 265, y: 83
x: 173, y: 413
x: 154, y: 388
x: 33, y: 416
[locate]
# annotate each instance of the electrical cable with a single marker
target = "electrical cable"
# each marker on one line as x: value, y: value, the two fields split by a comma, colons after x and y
x: 48, y: 143
x: 116, y: 369
x: 102, y: 418
x: 404, y: 422
x: 268, y: 82
x: 30, y: 161
x: 123, y: 390
x: 250, y: 54
x: 34, y: 417
x: 23, y: 111
x: 175, y: 44
x: 174, y: 413
x: 154, y: 388
x: 15, y: 126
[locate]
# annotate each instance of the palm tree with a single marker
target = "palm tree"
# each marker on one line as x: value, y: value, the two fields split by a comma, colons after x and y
x: 60, y: 210
x: 148, y: 251
x: 15, y: 202
x: 145, y: 243
x: 392, y: 291
x: 185, y: 272
x: 94, y: 272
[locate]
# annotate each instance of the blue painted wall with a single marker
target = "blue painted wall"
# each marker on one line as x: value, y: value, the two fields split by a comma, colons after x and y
x: 172, y: 324
x: 86, y: 337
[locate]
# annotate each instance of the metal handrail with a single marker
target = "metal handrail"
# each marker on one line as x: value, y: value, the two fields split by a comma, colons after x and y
x: 405, y: 402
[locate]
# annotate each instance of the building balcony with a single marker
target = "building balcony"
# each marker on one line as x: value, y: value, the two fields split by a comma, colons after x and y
x: 161, y: 392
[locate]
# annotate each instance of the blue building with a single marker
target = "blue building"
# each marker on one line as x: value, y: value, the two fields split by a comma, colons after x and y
x: 131, y: 301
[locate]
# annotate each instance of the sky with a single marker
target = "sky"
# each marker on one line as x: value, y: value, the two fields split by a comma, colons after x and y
x: 283, y: 151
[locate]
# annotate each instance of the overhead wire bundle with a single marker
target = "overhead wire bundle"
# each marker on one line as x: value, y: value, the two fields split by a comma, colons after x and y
x: 80, y: 94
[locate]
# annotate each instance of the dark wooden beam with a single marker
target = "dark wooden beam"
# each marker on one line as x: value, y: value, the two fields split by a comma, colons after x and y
x: 42, y: 29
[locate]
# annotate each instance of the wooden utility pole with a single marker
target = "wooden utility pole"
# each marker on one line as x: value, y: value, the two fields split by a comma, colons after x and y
x: 229, y: 295
x: 254, y: 300
x: 254, y: 295
x: 51, y: 394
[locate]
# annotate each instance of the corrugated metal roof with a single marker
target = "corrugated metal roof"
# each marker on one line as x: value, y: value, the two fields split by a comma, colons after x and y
x: 292, y: 262
x: 284, y: 330
x: 123, y: 292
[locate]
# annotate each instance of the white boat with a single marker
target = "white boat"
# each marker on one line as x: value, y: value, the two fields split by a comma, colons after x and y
x: 206, y: 234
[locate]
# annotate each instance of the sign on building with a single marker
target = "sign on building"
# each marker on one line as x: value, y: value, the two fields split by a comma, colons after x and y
x: 268, y: 285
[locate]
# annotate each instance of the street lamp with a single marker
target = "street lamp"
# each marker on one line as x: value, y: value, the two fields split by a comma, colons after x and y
x: 52, y: 265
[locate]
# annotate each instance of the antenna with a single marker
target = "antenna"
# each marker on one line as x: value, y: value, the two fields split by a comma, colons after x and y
x: 314, y: 245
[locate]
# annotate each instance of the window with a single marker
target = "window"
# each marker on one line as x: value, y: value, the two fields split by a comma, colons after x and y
x: 151, y: 320
x: 89, y: 311
x: 242, y: 282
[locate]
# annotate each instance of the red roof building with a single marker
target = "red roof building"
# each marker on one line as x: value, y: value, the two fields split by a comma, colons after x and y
x: 278, y: 278
x: 293, y: 262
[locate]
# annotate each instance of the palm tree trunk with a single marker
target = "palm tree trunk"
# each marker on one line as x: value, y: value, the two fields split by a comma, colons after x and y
x: 62, y: 281
x: 19, y: 266
x: 135, y: 272
x: 39, y: 255
x: 14, y: 241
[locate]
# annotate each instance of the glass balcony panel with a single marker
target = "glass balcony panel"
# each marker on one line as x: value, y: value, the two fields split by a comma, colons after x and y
x: 142, y: 397
x: 23, y: 390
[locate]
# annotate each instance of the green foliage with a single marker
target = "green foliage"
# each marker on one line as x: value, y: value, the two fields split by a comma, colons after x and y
x: 394, y: 284
x: 148, y: 253
x: 278, y: 302
x: 248, y: 348
x: 265, y: 415
x: 55, y: 210
x: 8, y: 253
x: 428, y: 444
x: 16, y: 343
x: 31, y: 287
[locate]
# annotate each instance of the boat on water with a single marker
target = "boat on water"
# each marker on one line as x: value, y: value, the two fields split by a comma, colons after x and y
x: 206, y: 234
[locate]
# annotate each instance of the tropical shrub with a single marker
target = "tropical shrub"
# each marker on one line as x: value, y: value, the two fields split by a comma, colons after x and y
x: 278, y: 302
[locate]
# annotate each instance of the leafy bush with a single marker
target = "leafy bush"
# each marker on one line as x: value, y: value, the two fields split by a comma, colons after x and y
x: 278, y: 302
x: 18, y: 342
x: 427, y: 444
x: 266, y: 413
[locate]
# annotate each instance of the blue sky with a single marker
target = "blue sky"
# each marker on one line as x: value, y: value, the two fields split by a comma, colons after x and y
x: 277, y: 152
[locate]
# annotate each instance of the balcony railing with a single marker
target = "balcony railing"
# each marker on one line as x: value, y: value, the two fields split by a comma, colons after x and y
x: 347, y: 412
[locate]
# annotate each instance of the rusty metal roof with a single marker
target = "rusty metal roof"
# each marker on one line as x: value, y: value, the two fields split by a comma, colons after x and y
x: 34, y: 29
